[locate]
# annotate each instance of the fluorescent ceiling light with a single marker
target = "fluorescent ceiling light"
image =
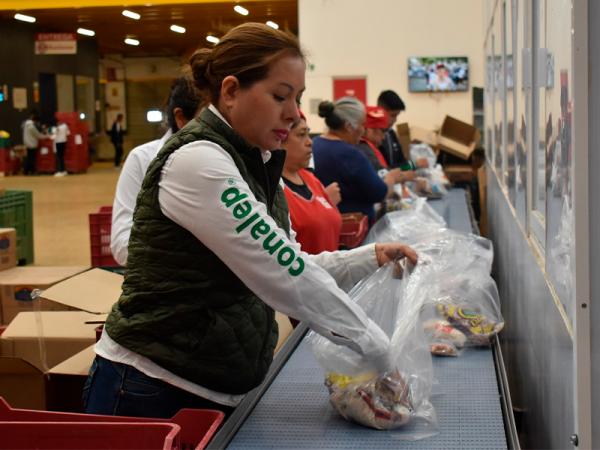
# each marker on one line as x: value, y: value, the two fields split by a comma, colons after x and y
x: 131, y: 41
x: 241, y: 10
x: 24, y: 18
x: 86, y: 32
x: 272, y: 24
x: 154, y: 115
x: 177, y: 29
x: 131, y: 14
x: 213, y: 39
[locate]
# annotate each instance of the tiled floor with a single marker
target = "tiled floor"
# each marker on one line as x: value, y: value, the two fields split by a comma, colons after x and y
x: 60, y: 211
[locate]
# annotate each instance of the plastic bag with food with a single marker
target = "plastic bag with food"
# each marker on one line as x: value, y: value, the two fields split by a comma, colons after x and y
x: 461, y: 306
x: 422, y: 155
x: 398, y: 396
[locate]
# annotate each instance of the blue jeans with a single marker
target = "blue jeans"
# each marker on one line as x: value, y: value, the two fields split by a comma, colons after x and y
x: 121, y: 390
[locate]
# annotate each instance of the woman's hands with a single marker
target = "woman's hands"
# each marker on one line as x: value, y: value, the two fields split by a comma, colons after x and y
x: 333, y: 192
x: 390, y: 251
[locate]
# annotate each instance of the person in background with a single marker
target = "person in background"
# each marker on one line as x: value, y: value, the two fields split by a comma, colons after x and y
x: 60, y: 135
x: 211, y: 254
x: 116, y: 137
x: 182, y: 106
x: 390, y: 147
x: 338, y: 159
x: 31, y: 138
x: 315, y: 219
x: 376, y: 125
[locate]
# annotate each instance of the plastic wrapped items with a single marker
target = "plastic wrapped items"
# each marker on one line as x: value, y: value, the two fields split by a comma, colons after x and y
x: 462, y: 306
x: 422, y: 155
x: 430, y: 182
x: 396, y: 397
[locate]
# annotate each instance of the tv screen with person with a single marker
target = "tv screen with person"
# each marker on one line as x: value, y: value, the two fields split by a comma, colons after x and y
x: 438, y: 74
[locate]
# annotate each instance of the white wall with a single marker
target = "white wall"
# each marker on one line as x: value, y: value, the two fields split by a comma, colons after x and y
x: 376, y: 37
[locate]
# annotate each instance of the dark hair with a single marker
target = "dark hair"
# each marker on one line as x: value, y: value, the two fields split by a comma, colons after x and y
x: 390, y: 101
x: 183, y: 95
x: 326, y: 111
x: 34, y: 114
x: 245, y: 52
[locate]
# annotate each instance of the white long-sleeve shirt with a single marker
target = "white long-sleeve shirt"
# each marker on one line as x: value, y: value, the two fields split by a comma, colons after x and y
x: 128, y: 188
x: 31, y: 135
x: 196, y: 186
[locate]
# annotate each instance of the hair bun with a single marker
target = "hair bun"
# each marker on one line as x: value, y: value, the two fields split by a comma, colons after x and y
x: 326, y: 109
x: 200, y: 65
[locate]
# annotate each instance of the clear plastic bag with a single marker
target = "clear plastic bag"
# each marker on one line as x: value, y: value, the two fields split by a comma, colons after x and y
x: 407, y: 226
x: 421, y: 153
x: 462, y: 306
x: 398, y: 398
x: 461, y: 310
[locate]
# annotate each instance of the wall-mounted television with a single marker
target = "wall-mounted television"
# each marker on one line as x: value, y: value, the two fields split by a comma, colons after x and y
x: 438, y: 74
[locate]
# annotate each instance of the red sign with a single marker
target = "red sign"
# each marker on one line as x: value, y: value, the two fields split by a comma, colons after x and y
x: 55, y: 43
x: 350, y: 87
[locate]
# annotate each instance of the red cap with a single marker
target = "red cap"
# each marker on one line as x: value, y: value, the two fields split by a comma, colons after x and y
x: 376, y: 118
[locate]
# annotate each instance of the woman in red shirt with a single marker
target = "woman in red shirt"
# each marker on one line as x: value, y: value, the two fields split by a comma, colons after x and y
x: 315, y: 219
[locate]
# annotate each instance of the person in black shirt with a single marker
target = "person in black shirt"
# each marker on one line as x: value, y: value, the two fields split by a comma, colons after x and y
x: 390, y: 147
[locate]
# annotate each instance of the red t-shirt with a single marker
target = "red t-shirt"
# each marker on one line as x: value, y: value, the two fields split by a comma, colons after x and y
x: 317, y: 222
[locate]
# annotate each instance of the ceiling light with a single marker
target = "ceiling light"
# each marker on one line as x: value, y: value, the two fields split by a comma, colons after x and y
x: 177, y: 29
x: 272, y: 24
x: 213, y: 39
x: 24, y: 18
x: 86, y: 32
x: 131, y: 14
x: 241, y: 10
x: 154, y: 115
x: 131, y: 41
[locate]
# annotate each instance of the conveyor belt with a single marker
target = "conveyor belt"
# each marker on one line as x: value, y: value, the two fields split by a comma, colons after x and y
x: 295, y: 411
x: 455, y: 210
x: 292, y: 408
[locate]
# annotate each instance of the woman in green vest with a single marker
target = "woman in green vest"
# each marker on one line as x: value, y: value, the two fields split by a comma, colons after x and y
x: 211, y: 253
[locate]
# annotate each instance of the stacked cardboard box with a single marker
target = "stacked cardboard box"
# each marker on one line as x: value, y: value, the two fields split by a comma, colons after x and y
x: 46, y: 355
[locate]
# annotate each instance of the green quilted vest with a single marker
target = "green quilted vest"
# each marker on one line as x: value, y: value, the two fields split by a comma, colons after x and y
x: 181, y: 306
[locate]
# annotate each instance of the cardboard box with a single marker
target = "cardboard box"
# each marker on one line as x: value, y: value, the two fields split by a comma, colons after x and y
x: 24, y: 386
x: 59, y: 340
x: 8, y: 248
x: 47, y: 338
x: 16, y: 285
x: 459, y: 173
x: 458, y: 138
x: 409, y: 134
x: 423, y: 135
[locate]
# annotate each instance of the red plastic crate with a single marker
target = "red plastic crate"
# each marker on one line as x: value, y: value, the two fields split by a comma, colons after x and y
x: 100, y: 226
x: 45, y: 161
x: 89, y: 435
x: 354, y: 230
x: 197, y: 425
x: 14, y: 163
x: 5, y: 166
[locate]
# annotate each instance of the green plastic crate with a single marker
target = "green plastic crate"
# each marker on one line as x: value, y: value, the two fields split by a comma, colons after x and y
x: 16, y: 211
